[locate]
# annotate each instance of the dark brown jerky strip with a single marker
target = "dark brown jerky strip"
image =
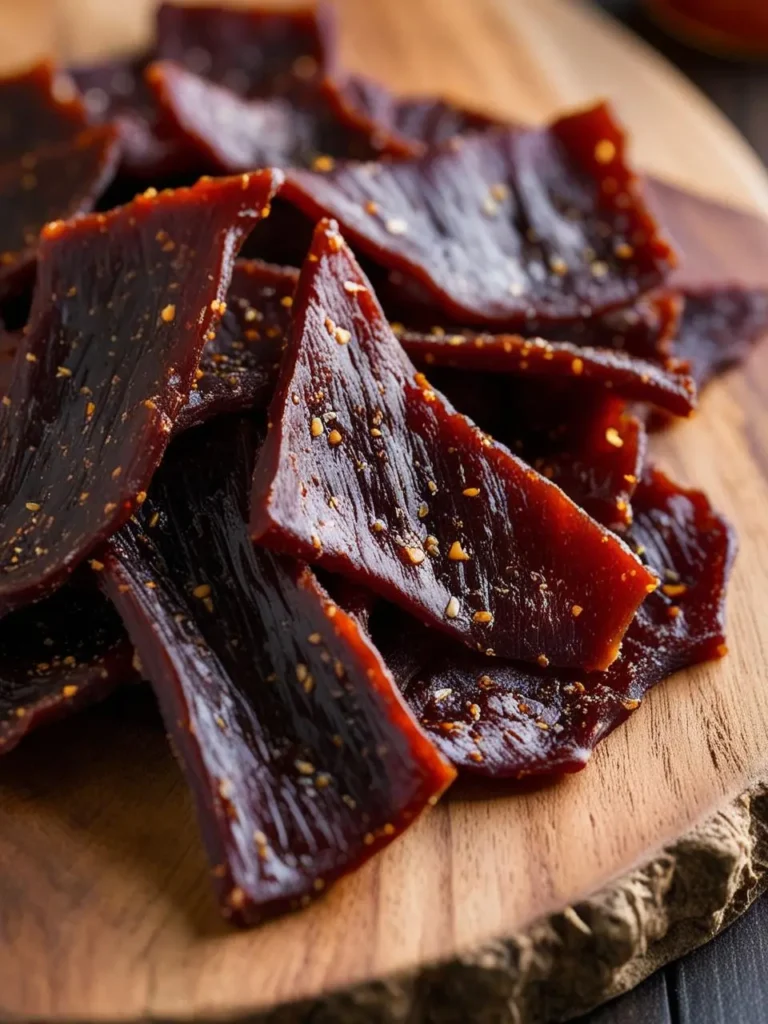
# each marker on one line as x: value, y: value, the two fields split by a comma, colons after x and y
x: 502, y: 720
x: 719, y: 327
x: 723, y: 278
x: 39, y: 107
x: 224, y: 133
x: 238, y: 368
x: 254, y: 51
x: 123, y: 304
x: 115, y: 91
x: 506, y: 226
x: 421, y: 121
x: 57, y: 656
x: 372, y: 474
x: 9, y: 344
x: 586, y: 442
x: 645, y: 329
x: 625, y: 375
x: 49, y: 184
x: 301, y: 755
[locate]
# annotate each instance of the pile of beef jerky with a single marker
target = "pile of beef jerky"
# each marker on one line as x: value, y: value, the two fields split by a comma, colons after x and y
x: 369, y: 504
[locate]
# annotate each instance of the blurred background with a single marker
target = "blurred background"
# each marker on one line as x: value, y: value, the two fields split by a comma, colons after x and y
x: 722, y: 45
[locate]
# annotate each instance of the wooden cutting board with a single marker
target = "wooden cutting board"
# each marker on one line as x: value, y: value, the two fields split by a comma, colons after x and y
x: 532, y: 906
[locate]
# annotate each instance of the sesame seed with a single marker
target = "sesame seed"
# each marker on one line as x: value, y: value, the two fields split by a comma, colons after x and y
x: 334, y: 437
x: 543, y: 660
x: 624, y: 251
x: 342, y: 335
x: 558, y: 265
x: 674, y: 589
x: 286, y: 301
x: 202, y: 590
x: 69, y: 691
x: 599, y: 268
x: 396, y: 226
x: 353, y: 288
x: 168, y: 313
x: 96, y: 565
x: 371, y: 207
x: 577, y: 366
x: 576, y: 610
x: 31, y: 357
x: 316, y: 426
x: 612, y: 436
x: 457, y: 552
x: 439, y: 695
x: 32, y: 506
x: 452, y: 608
x: 305, y: 767
x: 63, y: 371
x: 414, y: 555
x: 323, y: 163
x: 423, y: 510
x: 482, y: 616
x: 471, y: 492
x: 605, y: 151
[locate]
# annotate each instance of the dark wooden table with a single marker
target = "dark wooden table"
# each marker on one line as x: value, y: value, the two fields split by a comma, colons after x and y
x: 725, y: 982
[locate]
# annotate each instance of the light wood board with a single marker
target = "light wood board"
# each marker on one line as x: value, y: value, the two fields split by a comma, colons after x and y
x: 105, y: 909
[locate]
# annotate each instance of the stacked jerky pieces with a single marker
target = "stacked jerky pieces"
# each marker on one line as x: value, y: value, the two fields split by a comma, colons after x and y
x: 254, y: 482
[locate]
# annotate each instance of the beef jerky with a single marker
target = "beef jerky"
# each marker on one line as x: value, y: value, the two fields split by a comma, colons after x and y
x: 238, y: 368
x: 645, y: 329
x: 589, y: 443
x: 253, y: 52
x: 504, y: 226
x: 49, y: 184
x: 499, y: 719
x: 50, y: 166
x: 57, y: 656
x: 9, y: 344
x: 626, y: 375
x: 719, y: 327
x: 115, y: 91
x: 420, y: 121
x: 39, y: 107
x: 372, y: 474
x: 722, y: 278
x: 122, y: 307
x: 302, y: 758
x: 114, y: 88
x: 224, y: 133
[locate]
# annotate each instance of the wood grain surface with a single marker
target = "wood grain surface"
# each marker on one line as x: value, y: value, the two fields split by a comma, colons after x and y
x: 105, y: 909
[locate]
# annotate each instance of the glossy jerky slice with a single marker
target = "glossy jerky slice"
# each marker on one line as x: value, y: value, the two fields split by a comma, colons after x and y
x: 57, y: 656
x: 115, y: 91
x: 239, y: 365
x: 506, y: 225
x: 372, y: 474
x: 302, y: 757
x: 49, y: 184
x: 123, y: 304
x: 645, y: 329
x: 625, y: 375
x: 226, y: 133
x: 499, y: 719
x: 421, y: 121
x: 38, y: 107
x: 588, y: 442
x: 253, y: 52
x: 719, y: 327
